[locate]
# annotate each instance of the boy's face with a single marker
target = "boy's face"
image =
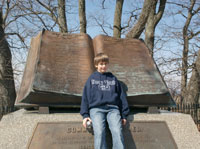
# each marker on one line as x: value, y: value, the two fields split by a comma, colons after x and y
x: 102, y: 67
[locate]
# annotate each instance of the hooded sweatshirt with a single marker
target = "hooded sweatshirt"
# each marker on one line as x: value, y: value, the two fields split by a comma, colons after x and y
x: 103, y: 89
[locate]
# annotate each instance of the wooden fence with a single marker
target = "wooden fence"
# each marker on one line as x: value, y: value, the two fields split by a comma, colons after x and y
x: 192, y: 109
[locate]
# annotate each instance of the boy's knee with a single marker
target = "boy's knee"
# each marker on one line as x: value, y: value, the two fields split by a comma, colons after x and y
x: 99, y: 133
x: 116, y: 131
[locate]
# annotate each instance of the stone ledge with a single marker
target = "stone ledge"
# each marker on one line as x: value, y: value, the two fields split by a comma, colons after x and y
x: 16, y: 128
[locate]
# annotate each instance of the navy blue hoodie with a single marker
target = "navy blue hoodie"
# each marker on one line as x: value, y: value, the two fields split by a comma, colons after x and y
x: 103, y: 89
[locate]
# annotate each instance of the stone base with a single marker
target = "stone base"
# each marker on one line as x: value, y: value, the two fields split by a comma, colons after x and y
x: 17, y: 128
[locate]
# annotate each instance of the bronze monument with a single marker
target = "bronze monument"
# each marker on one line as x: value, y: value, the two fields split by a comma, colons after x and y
x: 59, y: 64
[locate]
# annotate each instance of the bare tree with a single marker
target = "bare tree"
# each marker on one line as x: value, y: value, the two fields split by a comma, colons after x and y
x: 173, y: 41
x: 82, y: 16
x: 62, y: 20
x: 189, y: 11
x: 7, y: 87
x: 47, y: 14
x: 187, y: 35
x: 152, y: 22
x: 193, y: 88
x: 139, y: 27
x: 119, y: 27
x: 52, y: 11
x: 117, y: 19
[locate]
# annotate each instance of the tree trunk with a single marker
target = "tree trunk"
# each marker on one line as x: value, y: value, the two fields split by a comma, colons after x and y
x: 184, y: 67
x: 151, y: 23
x: 185, y: 50
x: 138, y: 28
x: 82, y: 16
x: 117, y: 19
x: 62, y: 20
x: 193, y: 89
x: 7, y: 87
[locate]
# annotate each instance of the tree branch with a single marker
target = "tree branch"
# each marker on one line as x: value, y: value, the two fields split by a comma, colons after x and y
x: 161, y: 10
x: 17, y: 34
x: 101, y: 25
x: 103, y: 1
x: 8, y: 9
x: 138, y: 28
x: 51, y: 14
x: 193, y: 35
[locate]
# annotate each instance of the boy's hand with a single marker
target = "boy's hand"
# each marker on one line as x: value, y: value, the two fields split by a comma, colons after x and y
x: 85, y: 121
x: 123, y: 121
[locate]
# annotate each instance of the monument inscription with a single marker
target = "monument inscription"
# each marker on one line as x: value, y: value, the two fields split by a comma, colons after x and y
x: 139, y: 134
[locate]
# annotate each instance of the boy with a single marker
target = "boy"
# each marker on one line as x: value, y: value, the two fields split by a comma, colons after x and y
x: 104, y: 100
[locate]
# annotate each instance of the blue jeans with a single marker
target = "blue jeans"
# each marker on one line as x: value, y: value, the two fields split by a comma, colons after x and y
x: 112, y: 115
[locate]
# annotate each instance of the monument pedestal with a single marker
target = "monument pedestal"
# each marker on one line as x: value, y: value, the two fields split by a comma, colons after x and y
x: 18, y: 129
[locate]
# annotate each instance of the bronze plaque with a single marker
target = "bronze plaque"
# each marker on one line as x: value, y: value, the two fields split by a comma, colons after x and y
x: 71, y: 135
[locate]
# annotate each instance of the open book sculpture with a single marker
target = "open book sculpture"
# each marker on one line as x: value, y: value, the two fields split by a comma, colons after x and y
x: 58, y: 66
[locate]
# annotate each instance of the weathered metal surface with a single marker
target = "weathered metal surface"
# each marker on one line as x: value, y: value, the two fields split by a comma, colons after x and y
x: 58, y: 66
x: 139, y: 134
x: 131, y: 62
